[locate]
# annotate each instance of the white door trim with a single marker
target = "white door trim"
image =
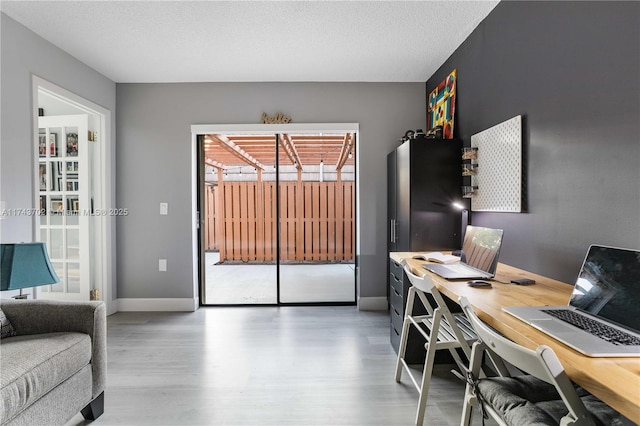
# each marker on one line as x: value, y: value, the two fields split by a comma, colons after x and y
x: 239, y: 129
x: 105, y: 225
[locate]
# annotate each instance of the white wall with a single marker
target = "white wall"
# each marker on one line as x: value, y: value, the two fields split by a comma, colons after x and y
x: 23, y: 55
x: 154, y: 165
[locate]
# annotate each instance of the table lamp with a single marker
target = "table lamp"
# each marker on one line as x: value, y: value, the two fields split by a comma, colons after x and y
x: 25, y: 265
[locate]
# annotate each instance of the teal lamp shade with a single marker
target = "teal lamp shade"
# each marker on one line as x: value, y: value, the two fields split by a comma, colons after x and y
x: 25, y: 265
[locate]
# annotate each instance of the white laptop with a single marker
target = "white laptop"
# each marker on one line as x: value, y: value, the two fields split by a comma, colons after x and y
x: 606, y: 298
x: 479, y: 256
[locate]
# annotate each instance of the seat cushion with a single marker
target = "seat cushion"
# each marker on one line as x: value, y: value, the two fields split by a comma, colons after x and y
x: 528, y: 401
x: 32, y: 365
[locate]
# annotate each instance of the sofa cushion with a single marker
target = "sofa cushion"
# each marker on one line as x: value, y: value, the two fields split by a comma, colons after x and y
x: 6, y: 329
x: 32, y: 365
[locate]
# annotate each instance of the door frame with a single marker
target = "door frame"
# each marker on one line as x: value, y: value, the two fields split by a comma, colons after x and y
x: 199, y: 130
x: 104, y: 243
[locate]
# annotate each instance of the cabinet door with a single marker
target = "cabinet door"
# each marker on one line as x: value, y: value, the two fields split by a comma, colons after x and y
x: 435, y: 184
x: 391, y: 202
x: 64, y: 197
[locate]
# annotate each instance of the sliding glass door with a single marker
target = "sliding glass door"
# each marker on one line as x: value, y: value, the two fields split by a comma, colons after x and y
x: 316, y: 216
x: 278, y: 218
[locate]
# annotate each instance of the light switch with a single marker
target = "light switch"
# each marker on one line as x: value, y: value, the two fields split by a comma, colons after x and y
x: 162, y: 265
x: 164, y: 209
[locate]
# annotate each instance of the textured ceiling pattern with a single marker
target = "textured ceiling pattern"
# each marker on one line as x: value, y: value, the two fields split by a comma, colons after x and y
x: 241, y: 41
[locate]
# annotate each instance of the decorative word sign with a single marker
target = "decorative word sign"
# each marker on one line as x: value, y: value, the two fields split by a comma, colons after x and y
x: 279, y: 118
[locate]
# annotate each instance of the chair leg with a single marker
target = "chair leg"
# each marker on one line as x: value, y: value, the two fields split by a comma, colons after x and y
x: 467, y: 409
x: 406, y: 324
x: 470, y: 398
x: 430, y: 346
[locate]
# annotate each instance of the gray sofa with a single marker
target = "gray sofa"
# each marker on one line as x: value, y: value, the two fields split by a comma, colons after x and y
x: 55, y: 364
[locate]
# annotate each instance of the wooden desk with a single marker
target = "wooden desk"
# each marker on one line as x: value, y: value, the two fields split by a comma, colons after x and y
x: 616, y: 381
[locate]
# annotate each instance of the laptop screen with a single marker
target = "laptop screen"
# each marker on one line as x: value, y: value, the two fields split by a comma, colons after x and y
x: 608, y: 285
x: 481, y: 247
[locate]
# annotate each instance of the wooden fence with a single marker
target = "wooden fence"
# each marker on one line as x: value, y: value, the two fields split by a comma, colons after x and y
x: 316, y: 224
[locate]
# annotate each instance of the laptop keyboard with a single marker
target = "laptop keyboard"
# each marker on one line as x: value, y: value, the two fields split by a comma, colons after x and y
x: 460, y: 269
x: 594, y: 327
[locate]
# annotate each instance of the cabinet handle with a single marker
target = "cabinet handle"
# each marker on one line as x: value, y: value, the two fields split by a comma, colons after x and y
x: 393, y: 230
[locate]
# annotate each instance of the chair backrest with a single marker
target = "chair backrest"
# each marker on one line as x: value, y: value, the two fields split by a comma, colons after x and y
x: 426, y: 285
x: 541, y: 363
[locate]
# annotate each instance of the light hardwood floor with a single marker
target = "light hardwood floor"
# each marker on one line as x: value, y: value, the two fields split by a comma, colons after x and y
x: 263, y: 366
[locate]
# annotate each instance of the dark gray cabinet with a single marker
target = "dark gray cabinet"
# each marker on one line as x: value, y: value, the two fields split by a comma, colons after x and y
x: 398, y: 289
x: 424, y: 179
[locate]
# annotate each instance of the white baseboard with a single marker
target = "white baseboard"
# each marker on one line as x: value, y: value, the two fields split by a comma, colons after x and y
x: 372, y: 304
x: 191, y: 305
x: 162, y: 305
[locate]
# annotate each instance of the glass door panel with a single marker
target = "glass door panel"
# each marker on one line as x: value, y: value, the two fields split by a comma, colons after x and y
x: 64, y: 200
x: 316, y: 219
x: 239, y: 226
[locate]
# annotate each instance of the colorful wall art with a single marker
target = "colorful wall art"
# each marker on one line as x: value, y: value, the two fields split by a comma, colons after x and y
x: 441, y: 106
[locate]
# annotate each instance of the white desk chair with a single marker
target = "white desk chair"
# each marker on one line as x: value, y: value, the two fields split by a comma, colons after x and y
x: 544, y: 396
x: 440, y: 328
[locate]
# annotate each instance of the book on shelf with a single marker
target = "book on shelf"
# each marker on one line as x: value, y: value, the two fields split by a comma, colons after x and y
x: 437, y: 257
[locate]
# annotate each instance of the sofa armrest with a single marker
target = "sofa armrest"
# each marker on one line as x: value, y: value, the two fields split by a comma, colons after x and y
x: 49, y: 316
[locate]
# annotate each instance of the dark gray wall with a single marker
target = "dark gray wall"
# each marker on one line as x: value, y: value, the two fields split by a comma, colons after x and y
x: 154, y: 165
x: 572, y: 69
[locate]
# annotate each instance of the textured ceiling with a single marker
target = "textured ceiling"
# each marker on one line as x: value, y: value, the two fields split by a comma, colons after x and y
x: 239, y: 41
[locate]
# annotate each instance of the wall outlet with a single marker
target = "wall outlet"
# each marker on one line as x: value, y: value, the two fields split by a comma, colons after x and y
x: 162, y: 265
x: 164, y: 209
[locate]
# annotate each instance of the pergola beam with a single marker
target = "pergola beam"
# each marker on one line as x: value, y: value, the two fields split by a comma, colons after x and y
x: 214, y: 163
x: 344, y: 151
x: 240, y: 153
x: 291, y: 151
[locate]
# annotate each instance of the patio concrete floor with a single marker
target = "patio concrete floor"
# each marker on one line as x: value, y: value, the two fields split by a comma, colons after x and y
x: 256, y: 283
